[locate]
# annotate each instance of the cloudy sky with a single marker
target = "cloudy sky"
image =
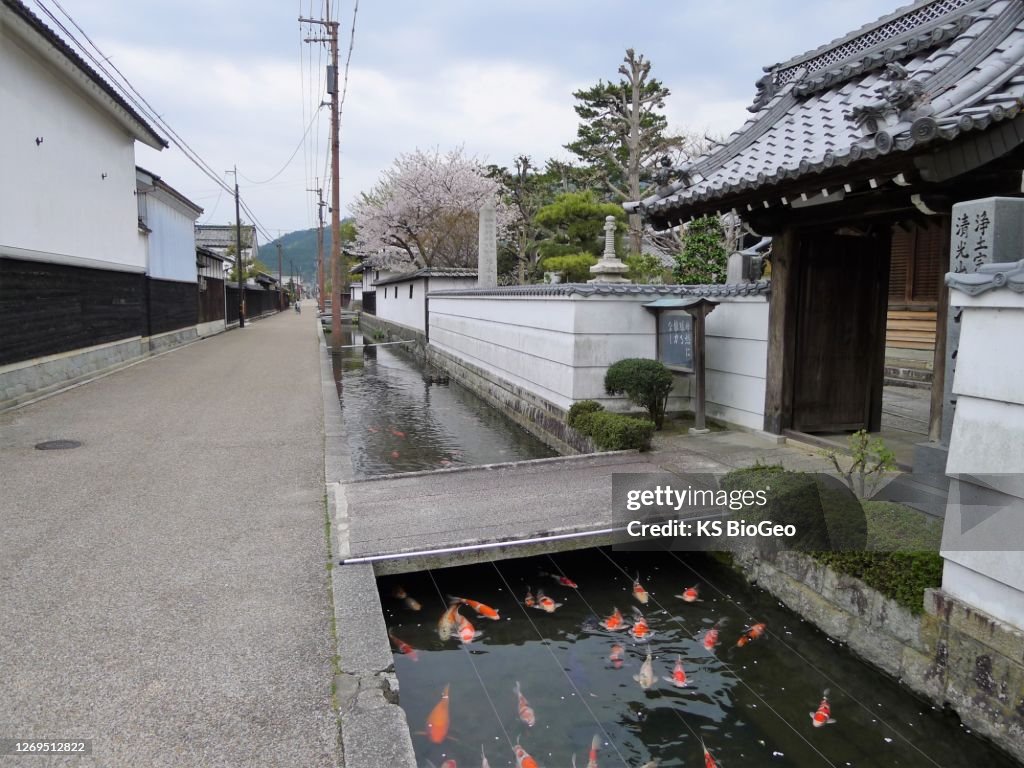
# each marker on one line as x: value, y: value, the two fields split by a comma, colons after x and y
x: 234, y: 79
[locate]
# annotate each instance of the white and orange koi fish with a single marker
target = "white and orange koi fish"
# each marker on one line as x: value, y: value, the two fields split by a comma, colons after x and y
x: 615, y: 622
x: 525, y: 710
x: 678, y: 678
x: 545, y: 603
x: 639, y: 592
x: 823, y: 715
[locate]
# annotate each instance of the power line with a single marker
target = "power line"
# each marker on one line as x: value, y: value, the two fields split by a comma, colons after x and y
x: 290, y: 157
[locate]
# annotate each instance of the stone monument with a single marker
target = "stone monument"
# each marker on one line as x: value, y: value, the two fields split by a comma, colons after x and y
x: 609, y: 269
x: 487, y: 247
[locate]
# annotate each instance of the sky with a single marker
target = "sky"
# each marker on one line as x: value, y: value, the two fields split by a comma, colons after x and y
x: 235, y: 80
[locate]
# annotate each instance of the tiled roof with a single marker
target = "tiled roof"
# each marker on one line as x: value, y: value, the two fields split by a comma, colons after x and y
x: 457, y: 272
x: 1008, y: 275
x: 760, y: 288
x: 926, y: 74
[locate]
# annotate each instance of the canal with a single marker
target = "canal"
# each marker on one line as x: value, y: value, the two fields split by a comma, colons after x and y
x: 397, y: 421
x: 750, y: 705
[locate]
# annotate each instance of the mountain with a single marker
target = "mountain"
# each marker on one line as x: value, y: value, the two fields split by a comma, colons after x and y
x: 298, y: 252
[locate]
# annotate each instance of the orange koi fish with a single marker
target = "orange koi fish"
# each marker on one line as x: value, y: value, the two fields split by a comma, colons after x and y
x: 395, y: 454
x: 403, y: 647
x: 614, y: 622
x: 615, y: 657
x: 411, y: 603
x: 690, y: 594
x: 481, y: 610
x: 437, y: 722
x: 449, y: 763
x: 523, y: 759
x: 467, y: 632
x: 639, y: 592
x: 751, y: 634
x: 529, y: 601
x: 447, y: 623
x: 545, y: 603
x: 525, y: 710
x: 641, y: 630
x: 823, y: 715
x: 709, y: 761
x: 595, y: 744
x: 711, y: 636
x: 372, y: 429
x: 678, y: 678
x: 398, y: 433
x: 565, y: 581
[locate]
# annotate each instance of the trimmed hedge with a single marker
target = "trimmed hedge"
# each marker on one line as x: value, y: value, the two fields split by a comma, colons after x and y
x: 646, y: 382
x: 610, y: 431
x: 579, y: 409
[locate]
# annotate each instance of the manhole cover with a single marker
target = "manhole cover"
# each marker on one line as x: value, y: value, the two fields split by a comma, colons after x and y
x: 57, y: 445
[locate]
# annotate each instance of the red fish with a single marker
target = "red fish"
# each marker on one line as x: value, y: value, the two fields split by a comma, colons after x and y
x: 395, y: 454
x: 595, y: 744
x: 397, y: 433
x: 411, y: 603
x: 615, y: 657
x: 565, y: 581
x: 467, y: 632
x: 690, y: 594
x: 641, y: 630
x: 404, y: 647
x: 523, y: 759
x: 711, y: 636
x: 614, y: 622
x: 709, y: 761
x: 529, y: 602
x: 449, y: 763
x: 639, y: 592
x: 751, y: 634
x: 437, y: 722
x: 823, y: 715
x: 525, y: 710
x: 481, y: 610
x: 545, y: 603
x: 678, y: 678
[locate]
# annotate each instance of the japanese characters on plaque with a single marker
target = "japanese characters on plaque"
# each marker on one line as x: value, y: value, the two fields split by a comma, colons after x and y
x: 971, y: 244
x: 675, y: 339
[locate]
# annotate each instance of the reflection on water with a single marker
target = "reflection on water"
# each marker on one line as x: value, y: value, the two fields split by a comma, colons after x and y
x: 750, y: 705
x: 396, y: 421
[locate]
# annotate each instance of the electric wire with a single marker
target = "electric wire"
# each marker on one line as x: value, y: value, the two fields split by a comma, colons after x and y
x: 832, y: 682
x: 729, y: 668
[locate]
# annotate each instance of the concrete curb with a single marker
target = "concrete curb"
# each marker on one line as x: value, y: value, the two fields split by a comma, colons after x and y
x: 374, y: 729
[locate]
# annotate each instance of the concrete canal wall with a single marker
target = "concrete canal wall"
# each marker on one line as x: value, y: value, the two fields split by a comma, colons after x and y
x: 952, y: 654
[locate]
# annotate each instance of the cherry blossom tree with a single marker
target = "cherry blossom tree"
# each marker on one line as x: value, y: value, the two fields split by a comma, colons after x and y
x: 427, y: 205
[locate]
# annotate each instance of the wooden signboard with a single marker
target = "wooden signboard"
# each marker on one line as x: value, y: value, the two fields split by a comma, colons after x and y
x: 675, y: 340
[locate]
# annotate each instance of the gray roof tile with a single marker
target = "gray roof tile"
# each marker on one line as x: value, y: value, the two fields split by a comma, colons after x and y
x: 760, y: 288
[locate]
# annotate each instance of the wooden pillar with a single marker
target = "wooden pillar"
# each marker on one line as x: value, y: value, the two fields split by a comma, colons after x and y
x: 941, y: 323
x: 778, y: 396
x: 881, y: 243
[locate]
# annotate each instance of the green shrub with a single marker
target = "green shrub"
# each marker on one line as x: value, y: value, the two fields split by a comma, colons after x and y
x: 645, y: 382
x: 617, y: 431
x: 582, y: 407
x: 901, y: 576
x: 575, y: 266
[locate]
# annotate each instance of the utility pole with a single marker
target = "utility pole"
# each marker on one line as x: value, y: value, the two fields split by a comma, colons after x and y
x: 320, y: 248
x: 239, y: 261
x: 280, y: 285
x: 332, y: 88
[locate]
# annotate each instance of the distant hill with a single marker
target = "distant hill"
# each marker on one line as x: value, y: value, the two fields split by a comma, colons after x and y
x: 298, y: 249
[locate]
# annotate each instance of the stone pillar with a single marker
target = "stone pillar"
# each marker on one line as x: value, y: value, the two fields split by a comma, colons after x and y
x: 609, y: 269
x: 487, y: 251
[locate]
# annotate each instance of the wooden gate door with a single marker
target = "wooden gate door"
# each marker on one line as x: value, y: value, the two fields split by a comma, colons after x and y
x: 842, y: 290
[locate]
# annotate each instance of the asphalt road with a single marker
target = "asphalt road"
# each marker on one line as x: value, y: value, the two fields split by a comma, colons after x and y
x: 163, y: 587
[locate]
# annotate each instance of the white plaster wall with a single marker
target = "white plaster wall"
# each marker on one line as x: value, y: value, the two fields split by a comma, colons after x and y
x: 402, y: 309
x: 984, y: 564
x: 54, y: 203
x: 172, y: 242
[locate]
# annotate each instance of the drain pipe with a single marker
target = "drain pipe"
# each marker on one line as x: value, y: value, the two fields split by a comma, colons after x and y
x: 479, y: 547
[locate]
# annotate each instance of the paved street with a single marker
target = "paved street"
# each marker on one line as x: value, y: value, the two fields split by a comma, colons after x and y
x: 163, y: 587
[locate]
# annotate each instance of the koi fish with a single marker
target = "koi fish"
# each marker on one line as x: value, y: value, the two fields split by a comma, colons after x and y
x: 711, y: 636
x: 709, y: 761
x: 411, y: 603
x: 483, y: 758
x: 690, y: 594
x: 481, y: 610
x: 523, y: 759
x: 615, y: 657
x: 614, y: 622
x: 437, y: 722
x: 823, y: 715
x: 565, y: 581
x: 678, y: 678
x: 395, y: 454
x: 646, y: 677
x: 447, y: 623
x: 372, y: 429
x: 525, y: 710
x: 403, y: 647
x: 639, y: 592
x: 398, y: 591
x: 641, y: 630
x: 466, y: 631
x: 398, y: 433
x: 751, y: 634
x: 595, y: 744
x: 545, y: 603
x: 529, y: 601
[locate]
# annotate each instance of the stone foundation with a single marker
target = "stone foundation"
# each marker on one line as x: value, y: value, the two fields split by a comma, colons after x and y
x: 373, y: 326
x: 952, y: 654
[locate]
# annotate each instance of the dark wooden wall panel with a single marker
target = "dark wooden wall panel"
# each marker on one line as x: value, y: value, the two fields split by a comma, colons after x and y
x: 172, y: 305
x: 211, y: 301
x: 46, y: 309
